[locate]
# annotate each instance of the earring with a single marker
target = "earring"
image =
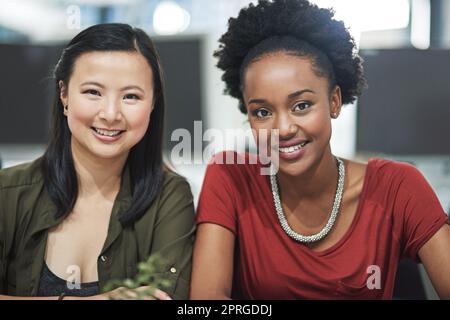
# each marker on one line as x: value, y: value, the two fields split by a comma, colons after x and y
x: 334, y: 115
x: 66, y: 110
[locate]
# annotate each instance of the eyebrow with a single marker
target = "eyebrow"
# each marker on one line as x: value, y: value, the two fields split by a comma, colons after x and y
x: 290, y: 96
x: 122, y: 89
x: 299, y: 93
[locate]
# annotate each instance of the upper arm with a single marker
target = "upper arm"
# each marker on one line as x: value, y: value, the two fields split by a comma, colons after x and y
x: 435, y: 255
x: 217, y: 219
x: 175, y: 222
x: 173, y: 236
x: 418, y: 209
x: 212, y: 272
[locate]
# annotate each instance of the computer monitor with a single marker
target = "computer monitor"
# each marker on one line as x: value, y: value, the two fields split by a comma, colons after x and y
x: 26, y: 92
x: 406, y: 108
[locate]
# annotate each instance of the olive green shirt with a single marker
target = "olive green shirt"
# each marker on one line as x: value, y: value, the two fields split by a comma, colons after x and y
x: 27, y: 213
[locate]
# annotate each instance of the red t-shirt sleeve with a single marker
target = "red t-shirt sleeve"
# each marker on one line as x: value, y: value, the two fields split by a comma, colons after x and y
x: 217, y: 201
x: 420, y: 209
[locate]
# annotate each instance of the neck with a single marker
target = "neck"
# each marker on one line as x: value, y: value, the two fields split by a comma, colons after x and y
x: 97, y: 176
x: 318, y: 181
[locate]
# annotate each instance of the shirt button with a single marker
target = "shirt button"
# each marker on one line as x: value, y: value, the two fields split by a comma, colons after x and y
x: 103, y: 258
x: 173, y: 270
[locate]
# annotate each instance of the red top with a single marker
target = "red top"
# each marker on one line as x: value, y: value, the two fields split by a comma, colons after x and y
x: 398, y: 212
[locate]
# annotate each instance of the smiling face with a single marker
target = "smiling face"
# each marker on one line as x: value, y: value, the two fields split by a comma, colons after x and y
x: 109, y: 100
x: 282, y: 91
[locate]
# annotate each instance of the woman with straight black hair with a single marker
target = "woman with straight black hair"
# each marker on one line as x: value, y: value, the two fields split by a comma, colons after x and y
x: 100, y: 200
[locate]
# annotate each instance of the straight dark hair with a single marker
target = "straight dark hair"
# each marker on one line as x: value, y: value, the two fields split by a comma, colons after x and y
x: 145, y: 158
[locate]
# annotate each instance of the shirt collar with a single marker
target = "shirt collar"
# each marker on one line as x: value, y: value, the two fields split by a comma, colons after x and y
x: 46, y: 208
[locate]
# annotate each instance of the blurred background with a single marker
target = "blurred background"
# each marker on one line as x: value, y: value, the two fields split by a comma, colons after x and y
x: 404, y: 115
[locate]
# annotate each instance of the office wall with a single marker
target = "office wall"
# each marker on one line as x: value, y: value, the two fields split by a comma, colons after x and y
x: 446, y: 22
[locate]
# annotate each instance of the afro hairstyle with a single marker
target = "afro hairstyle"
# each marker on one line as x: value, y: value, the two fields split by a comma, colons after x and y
x: 312, y: 26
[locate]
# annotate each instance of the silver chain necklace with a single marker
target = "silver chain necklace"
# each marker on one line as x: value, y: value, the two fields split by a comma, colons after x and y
x: 336, y: 205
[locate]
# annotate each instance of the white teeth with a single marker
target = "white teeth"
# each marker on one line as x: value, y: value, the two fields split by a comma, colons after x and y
x: 292, y: 148
x: 107, y: 133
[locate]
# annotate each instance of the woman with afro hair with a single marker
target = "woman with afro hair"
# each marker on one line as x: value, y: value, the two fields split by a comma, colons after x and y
x: 321, y: 227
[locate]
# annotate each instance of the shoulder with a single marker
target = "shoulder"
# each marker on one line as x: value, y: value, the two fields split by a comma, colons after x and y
x: 173, y: 182
x: 236, y: 166
x: 20, y: 190
x: 175, y: 190
x: 390, y: 182
x: 175, y: 201
x: 380, y: 177
x: 393, y: 171
x: 24, y: 175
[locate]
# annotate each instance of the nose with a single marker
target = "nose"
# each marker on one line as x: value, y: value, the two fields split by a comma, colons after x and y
x: 287, y: 127
x: 111, y: 111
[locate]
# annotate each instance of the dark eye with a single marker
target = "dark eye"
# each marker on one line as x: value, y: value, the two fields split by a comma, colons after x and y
x: 261, y: 113
x: 92, y: 92
x: 131, y: 96
x: 302, y: 106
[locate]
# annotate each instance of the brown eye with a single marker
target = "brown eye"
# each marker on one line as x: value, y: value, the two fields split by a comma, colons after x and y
x: 131, y: 97
x: 261, y: 113
x: 302, y: 106
x: 92, y: 92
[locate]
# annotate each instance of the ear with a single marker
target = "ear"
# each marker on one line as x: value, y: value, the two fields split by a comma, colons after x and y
x: 336, y: 101
x: 63, y: 93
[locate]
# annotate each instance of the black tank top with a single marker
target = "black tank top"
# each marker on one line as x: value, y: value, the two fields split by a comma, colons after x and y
x: 51, y: 285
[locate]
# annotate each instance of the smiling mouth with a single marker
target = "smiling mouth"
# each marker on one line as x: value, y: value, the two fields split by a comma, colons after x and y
x: 107, y: 133
x: 292, y: 149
